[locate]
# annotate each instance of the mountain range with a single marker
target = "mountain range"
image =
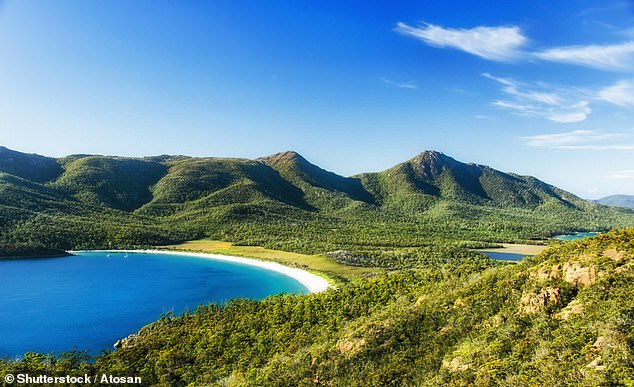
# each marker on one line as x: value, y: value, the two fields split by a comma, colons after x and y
x: 626, y: 201
x: 107, y: 201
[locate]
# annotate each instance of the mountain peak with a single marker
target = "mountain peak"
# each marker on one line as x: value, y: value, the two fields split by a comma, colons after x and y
x: 286, y: 155
x: 284, y: 158
x: 297, y: 169
x: 431, y: 163
x: 432, y: 157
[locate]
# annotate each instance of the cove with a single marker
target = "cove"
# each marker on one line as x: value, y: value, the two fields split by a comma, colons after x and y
x: 577, y: 235
x: 90, y: 300
x: 501, y: 256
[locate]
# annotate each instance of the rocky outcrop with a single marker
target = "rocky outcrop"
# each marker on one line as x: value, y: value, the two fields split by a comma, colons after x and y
x: 572, y: 272
x: 127, y: 342
x: 455, y: 364
x: 350, y: 346
x: 614, y: 255
x: 576, y: 274
x: 544, y: 273
x: 574, y: 307
x: 534, y: 302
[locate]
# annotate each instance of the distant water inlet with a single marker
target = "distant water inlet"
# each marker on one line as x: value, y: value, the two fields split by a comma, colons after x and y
x: 91, y: 300
x: 577, y: 235
x: 517, y: 252
x: 500, y: 256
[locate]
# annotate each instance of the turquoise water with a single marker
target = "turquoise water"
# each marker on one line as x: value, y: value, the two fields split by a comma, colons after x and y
x: 91, y: 300
x: 578, y: 235
x: 505, y: 256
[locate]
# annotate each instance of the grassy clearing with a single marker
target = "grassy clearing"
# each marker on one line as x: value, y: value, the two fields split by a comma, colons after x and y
x: 318, y: 263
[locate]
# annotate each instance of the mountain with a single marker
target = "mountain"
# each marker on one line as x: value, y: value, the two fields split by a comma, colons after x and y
x: 113, y: 182
x: 618, y: 201
x: 433, y: 175
x: 281, y: 201
x: 29, y: 166
x: 316, y: 182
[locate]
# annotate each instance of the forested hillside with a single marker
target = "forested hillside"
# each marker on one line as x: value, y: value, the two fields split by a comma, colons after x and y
x: 280, y: 201
x: 560, y: 318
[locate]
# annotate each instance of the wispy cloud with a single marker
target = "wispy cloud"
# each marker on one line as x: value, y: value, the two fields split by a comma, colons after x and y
x: 542, y: 100
x: 607, y: 57
x: 402, y: 85
x: 505, y: 44
x: 621, y: 94
x: 485, y: 117
x: 625, y: 174
x: 493, y: 43
x: 582, y: 140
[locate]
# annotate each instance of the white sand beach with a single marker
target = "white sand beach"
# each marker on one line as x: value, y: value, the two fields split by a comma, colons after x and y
x: 312, y: 282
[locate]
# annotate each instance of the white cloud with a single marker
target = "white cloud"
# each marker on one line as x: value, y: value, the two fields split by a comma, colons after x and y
x: 559, y: 139
x: 402, y: 85
x: 504, y: 44
x: 621, y: 94
x: 541, y: 100
x: 582, y: 140
x: 493, y: 43
x: 607, y: 57
x: 573, y: 113
x: 513, y: 88
x: 626, y: 174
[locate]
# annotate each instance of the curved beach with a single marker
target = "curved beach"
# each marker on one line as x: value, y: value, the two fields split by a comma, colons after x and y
x: 312, y: 282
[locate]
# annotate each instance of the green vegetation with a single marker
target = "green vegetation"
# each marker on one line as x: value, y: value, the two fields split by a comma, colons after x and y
x: 29, y: 251
x: 317, y: 262
x: 281, y: 202
x: 414, y: 304
x: 29, y: 166
x: 563, y: 317
x: 118, y: 183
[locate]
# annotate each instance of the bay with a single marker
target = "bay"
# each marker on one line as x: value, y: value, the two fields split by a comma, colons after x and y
x: 90, y: 300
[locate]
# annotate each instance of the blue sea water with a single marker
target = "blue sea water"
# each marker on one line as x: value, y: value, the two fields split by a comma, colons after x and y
x: 90, y: 300
x: 505, y: 256
x: 578, y: 235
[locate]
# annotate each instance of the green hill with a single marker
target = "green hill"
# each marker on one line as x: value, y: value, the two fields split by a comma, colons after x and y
x: 112, y: 182
x: 281, y: 201
x: 432, y: 176
x: 315, y: 181
x: 29, y: 166
x: 227, y: 180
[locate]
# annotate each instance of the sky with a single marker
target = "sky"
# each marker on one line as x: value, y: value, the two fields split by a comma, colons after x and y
x: 541, y: 88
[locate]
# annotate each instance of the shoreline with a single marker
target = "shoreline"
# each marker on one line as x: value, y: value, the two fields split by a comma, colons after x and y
x: 21, y: 257
x: 312, y: 282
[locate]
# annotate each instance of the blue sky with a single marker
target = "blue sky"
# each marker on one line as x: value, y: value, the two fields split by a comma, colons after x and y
x: 539, y: 88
